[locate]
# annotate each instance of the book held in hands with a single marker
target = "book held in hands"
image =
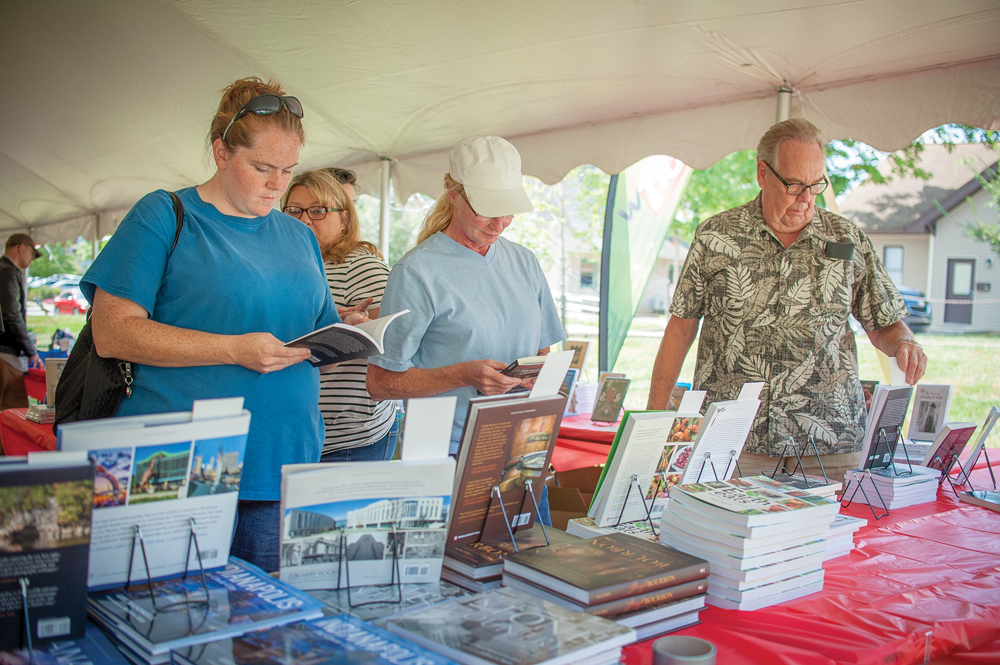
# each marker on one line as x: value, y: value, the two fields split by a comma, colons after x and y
x: 339, y: 342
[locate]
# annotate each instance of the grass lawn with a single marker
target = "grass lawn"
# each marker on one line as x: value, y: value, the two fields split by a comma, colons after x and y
x: 970, y: 363
x: 45, y: 326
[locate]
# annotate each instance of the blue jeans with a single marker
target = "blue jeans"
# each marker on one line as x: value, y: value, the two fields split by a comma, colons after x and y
x: 380, y: 450
x: 257, y: 537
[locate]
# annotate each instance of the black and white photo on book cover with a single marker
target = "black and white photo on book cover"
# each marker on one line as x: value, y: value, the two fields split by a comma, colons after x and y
x: 931, y: 404
x: 165, y: 475
x: 361, y: 523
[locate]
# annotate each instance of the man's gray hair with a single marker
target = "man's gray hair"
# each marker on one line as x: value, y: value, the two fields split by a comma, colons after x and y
x: 797, y: 129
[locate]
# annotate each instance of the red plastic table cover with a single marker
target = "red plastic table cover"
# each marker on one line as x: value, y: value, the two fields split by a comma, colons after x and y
x: 923, y: 583
x: 582, y: 428
x: 34, y: 383
x: 572, y: 454
x: 21, y: 436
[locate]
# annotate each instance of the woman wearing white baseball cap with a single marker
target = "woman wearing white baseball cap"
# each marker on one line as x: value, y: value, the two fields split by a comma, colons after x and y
x: 477, y: 301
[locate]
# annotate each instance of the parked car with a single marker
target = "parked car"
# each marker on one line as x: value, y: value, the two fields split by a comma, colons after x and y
x: 920, y: 309
x: 70, y: 301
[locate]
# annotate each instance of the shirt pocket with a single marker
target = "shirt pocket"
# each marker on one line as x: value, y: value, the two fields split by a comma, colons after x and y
x: 830, y: 293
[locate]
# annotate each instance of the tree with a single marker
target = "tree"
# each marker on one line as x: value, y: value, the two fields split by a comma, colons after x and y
x: 980, y: 230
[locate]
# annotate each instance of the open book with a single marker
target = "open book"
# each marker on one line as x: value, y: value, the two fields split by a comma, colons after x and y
x: 340, y: 342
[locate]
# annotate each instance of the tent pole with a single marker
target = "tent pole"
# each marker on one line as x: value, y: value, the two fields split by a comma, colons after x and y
x: 383, y: 218
x: 605, y: 292
x: 784, y: 103
x: 97, y: 235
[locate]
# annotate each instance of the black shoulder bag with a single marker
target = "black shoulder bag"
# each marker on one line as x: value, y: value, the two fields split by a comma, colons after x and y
x: 90, y: 386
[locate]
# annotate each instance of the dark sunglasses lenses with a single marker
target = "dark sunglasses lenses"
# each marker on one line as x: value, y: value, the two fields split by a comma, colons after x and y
x: 268, y: 104
x: 294, y: 106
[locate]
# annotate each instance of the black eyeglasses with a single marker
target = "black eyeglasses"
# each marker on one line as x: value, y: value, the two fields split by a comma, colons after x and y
x: 796, y: 188
x: 316, y: 213
x: 266, y: 105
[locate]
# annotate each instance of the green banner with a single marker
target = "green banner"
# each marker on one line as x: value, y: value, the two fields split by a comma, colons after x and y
x: 642, y: 201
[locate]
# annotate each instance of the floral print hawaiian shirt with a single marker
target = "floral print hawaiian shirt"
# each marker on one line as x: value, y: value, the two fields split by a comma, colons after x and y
x: 780, y: 315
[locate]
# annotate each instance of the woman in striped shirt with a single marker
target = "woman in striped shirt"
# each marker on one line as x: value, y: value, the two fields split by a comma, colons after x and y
x: 357, y: 427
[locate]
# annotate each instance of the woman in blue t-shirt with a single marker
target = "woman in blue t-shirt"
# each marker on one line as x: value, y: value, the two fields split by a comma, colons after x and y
x: 208, y: 318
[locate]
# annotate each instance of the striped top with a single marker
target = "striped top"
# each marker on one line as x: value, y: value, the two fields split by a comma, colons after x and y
x: 352, y: 418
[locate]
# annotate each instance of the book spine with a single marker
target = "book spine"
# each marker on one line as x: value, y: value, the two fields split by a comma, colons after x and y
x: 659, y: 597
x: 645, y: 585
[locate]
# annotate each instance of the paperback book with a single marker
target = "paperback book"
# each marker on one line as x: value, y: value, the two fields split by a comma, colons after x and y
x: 931, y: 403
x: 885, y: 425
x: 91, y: 649
x: 579, y: 349
x: 586, y: 527
x: 609, y: 401
x: 335, y: 640
x: 720, y: 440
x: 983, y: 498
x: 603, y: 569
x: 369, y: 603
x: 187, y: 611
x: 524, y: 368
x: 977, y: 448
x: 508, y: 627
x: 747, y: 502
x: 506, y: 443
x: 166, y: 475
x: 361, y: 523
x: 45, y: 530
x: 948, y: 445
x: 340, y: 342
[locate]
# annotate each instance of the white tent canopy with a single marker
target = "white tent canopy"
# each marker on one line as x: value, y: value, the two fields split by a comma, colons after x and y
x: 106, y: 100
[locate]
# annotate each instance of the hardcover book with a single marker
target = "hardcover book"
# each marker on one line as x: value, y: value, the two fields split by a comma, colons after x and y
x: 599, y: 570
x: 579, y: 349
x: 45, y: 527
x: 164, y: 474
x: 984, y: 498
x: 509, y: 627
x: 481, y: 560
x: 948, y: 445
x: 336, y: 640
x: 375, y: 602
x: 187, y: 611
x: 506, y: 443
x: 609, y: 400
x: 360, y: 523
x: 340, y: 342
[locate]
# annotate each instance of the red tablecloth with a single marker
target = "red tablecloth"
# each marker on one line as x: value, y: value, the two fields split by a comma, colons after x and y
x: 929, y: 568
x: 21, y: 436
x: 34, y: 383
x: 582, y: 428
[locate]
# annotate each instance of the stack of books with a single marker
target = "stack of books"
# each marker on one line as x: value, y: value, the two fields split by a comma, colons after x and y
x: 899, y: 485
x: 840, y: 536
x: 505, y: 626
x: 40, y: 413
x: 148, y: 621
x: 641, y: 585
x: 479, y: 566
x: 586, y: 527
x: 372, y: 603
x: 764, y: 540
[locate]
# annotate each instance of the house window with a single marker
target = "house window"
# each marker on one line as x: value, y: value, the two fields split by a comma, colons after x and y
x: 587, y: 273
x: 892, y: 257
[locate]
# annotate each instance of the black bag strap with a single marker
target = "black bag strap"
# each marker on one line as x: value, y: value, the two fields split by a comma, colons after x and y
x: 179, y: 212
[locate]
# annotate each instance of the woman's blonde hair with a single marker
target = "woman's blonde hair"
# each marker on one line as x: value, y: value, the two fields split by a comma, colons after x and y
x: 243, y: 132
x: 440, y: 215
x: 328, y: 191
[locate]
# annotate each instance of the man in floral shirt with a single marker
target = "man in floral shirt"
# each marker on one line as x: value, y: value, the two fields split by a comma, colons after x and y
x: 775, y: 281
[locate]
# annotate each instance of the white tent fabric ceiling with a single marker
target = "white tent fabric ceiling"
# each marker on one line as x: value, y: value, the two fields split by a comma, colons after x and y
x: 109, y: 99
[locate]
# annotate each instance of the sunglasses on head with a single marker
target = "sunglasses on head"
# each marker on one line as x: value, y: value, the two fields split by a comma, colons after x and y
x: 266, y: 105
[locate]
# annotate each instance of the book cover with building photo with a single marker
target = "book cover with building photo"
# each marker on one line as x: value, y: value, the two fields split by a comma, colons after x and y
x: 362, y: 523
x: 161, y: 473
x: 510, y: 442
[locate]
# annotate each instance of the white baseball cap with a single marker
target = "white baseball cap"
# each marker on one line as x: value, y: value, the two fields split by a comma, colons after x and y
x: 490, y: 170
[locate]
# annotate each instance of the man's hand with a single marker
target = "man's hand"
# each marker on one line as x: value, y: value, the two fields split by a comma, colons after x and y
x: 486, y: 377
x: 36, y: 362
x: 263, y: 352
x: 911, y: 359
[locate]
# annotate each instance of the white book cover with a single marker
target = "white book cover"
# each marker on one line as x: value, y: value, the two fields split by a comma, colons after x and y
x: 722, y: 435
x: 161, y: 474
x: 652, y: 446
x: 931, y: 403
x: 351, y: 523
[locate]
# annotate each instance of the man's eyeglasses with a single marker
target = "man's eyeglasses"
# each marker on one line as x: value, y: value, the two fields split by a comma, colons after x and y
x: 796, y: 188
x: 316, y: 213
x: 266, y: 105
